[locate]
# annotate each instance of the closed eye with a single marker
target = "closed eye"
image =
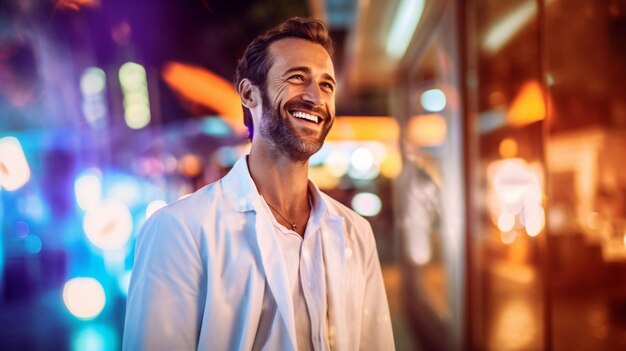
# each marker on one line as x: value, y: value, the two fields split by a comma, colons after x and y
x: 297, y: 77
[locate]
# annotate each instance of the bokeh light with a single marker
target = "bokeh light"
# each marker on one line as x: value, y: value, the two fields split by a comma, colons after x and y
x: 362, y: 159
x: 32, y: 244
x: 14, y: 169
x: 134, y: 85
x: 84, y: 297
x: 433, y: 100
x: 88, y: 189
x: 93, y: 81
x: 367, y: 204
x: 109, y: 225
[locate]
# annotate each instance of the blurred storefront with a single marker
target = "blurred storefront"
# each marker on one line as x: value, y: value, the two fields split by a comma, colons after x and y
x: 511, y: 206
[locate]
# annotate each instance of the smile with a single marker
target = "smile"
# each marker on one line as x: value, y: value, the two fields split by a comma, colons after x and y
x: 305, y: 116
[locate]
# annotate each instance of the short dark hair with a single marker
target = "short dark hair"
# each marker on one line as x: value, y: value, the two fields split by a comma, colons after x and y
x: 256, y: 62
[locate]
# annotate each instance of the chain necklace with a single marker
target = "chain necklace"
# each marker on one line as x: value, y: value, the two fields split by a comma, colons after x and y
x: 293, y: 224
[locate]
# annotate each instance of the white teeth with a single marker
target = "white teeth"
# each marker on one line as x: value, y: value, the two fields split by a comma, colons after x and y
x: 303, y: 115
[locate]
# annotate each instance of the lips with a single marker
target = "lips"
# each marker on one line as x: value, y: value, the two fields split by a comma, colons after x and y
x: 308, y: 112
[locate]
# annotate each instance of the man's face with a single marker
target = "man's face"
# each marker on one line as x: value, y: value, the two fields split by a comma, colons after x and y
x: 298, y: 98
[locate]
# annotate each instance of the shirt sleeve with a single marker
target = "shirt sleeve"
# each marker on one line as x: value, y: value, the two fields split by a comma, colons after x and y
x: 376, y: 332
x: 167, y: 288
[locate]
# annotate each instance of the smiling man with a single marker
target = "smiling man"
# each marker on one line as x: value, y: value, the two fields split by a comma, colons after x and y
x: 261, y: 259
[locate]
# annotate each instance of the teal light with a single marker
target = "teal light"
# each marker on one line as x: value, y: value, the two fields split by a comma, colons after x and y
x: 404, y: 23
x: 215, y: 126
x: 433, y: 100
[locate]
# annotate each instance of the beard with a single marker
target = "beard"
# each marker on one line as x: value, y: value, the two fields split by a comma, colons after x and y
x: 284, y: 138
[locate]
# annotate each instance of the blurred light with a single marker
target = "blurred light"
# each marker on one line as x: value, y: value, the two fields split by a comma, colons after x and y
x: 93, y: 81
x: 508, y: 148
x: 226, y: 156
x: 100, y: 337
x: 190, y: 165
x: 215, y: 127
x: 33, y: 207
x: 14, y: 170
x: 528, y: 106
x: 501, y: 33
x: 323, y: 178
x: 534, y: 219
x: 108, y: 226
x: 338, y: 162
x: 318, y: 158
x: 518, y: 193
x: 88, y: 189
x: 201, y: 86
x: 392, y: 164
x: 506, y: 221
x: 362, y: 159
x: 134, y: 84
x: 93, y: 88
x: 508, y: 237
x: 433, y: 100
x: 427, y: 130
x: 123, y: 282
x: 381, y: 128
x: 366, y: 204
x: 21, y: 229
x: 32, y: 244
x: 405, y: 21
x: 84, y: 297
x: 154, y: 206
x: 125, y: 189
x: 593, y: 220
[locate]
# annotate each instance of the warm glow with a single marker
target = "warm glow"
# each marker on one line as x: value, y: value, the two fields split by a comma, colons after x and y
x: 190, y: 165
x: 528, y: 106
x: 203, y: 87
x: 84, y: 297
x: 508, y: 148
x: 364, y: 128
x: 14, y: 170
x: 427, y: 130
x: 108, y: 226
x: 337, y: 163
x: 517, y: 196
x: 323, y: 178
x: 366, y: 204
x: 392, y: 164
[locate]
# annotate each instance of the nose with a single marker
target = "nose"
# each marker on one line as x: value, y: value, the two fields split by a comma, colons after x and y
x: 312, y: 94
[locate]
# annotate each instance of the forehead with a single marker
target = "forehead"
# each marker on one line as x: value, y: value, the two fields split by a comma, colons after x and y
x: 295, y: 52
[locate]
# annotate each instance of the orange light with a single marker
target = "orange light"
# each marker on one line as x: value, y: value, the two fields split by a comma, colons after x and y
x: 201, y: 86
x: 364, y: 128
x: 529, y: 105
x: 427, y: 130
x: 508, y: 148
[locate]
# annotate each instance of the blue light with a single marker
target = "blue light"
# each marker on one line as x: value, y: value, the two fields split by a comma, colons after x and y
x: 433, y: 100
x: 215, y: 126
x: 32, y: 243
x: 94, y: 338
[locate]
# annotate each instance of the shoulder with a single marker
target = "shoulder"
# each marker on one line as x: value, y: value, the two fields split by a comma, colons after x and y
x: 186, y: 213
x: 353, y: 221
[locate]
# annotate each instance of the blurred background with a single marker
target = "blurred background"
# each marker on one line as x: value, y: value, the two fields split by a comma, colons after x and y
x: 484, y: 140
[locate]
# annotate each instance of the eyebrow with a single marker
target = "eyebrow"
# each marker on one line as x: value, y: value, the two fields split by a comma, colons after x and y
x: 308, y: 70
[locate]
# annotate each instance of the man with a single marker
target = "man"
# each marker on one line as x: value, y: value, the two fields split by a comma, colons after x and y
x: 261, y: 259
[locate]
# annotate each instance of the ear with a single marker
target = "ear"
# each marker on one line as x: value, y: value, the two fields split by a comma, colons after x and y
x: 249, y: 93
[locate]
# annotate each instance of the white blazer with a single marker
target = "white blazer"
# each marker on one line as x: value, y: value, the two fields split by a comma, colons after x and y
x: 209, y: 275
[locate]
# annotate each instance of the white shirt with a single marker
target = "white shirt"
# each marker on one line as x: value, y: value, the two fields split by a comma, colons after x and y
x: 209, y: 275
x: 304, y: 261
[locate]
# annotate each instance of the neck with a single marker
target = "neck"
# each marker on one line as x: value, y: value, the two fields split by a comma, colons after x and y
x: 283, y: 184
